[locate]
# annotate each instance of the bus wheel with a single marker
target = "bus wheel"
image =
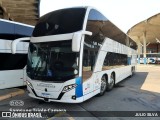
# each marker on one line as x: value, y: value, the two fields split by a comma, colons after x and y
x: 103, y: 86
x: 111, y: 84
x: 132, y: 71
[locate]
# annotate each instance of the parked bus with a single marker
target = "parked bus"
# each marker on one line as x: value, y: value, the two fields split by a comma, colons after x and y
x: 12, y: 67
x: 152, y: 58
x: 75, y: 54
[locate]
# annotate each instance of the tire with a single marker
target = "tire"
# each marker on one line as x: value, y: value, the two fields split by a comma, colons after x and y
x: 132, y: 72
x: 103, y: 86
x: 111, y: 84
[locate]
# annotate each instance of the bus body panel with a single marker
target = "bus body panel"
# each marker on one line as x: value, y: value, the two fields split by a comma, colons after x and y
x: 54, y: 90
x: 11, y: 77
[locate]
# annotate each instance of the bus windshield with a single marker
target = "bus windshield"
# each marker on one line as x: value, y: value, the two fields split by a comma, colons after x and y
x: 60, y: 22
x: 52, y: 61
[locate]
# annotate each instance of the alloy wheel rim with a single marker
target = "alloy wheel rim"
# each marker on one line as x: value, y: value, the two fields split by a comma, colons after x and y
x: 111, y: 81
x: 103, y: 85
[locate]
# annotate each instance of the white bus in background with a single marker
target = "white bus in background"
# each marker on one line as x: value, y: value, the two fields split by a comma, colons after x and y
x: 12, y: 67
x: 75, y: 54
x: 152, y: 58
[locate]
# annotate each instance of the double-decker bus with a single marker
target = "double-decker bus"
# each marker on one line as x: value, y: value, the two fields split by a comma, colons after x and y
x: 75, y: 54
x: 12, y: 67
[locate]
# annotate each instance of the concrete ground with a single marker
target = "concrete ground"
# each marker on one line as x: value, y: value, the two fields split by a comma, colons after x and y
x: 141, y: 92
x: 152, y: 81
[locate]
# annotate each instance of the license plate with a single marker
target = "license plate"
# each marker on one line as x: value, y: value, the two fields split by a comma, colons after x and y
x: 46, y: 95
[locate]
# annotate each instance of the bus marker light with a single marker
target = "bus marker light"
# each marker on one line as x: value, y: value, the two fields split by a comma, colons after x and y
x: 29, y: 84
x: 74, y: 97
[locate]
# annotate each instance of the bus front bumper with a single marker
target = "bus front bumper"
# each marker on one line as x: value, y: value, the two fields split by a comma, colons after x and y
x: 62, y: 98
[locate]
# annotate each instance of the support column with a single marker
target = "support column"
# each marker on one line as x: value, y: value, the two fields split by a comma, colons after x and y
x: 139, y: 50
x: 144, y: 48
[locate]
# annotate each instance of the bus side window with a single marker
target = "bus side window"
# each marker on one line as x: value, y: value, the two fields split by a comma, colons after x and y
x: 87, y: 64
x: 114, y: 60
x: 92, y: 43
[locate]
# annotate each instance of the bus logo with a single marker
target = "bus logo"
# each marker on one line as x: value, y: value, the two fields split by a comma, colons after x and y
x: 46, y: 85
x: 16, y: 103
x: 6, y: 114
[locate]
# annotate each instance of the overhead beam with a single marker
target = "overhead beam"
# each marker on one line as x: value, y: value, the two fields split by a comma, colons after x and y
x: 21, y: 7
x: 20, y: 1
x: 15, y: 11
x: 25, y: 18
x: 31, y: 12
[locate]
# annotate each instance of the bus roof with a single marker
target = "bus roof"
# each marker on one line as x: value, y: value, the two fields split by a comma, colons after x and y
x: 11, y: 28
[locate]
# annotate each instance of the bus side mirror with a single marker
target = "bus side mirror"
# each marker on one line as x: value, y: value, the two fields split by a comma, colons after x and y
x: 16, y: 41
x: 76, y: 40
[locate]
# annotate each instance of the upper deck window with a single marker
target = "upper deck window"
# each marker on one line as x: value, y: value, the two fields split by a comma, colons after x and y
x: 60, y: 22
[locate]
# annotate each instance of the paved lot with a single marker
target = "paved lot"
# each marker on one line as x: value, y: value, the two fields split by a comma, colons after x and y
x: 152, y: 82
x: 138, y: 93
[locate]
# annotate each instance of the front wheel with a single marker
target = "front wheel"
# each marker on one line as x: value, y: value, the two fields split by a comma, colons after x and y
x: 111, y: 84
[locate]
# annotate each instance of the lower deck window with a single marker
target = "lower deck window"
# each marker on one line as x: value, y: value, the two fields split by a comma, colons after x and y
x: 12, y: 61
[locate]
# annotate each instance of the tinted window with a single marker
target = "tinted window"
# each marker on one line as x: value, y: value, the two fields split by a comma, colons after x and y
x: 114, y: 60
x: 60, y: 22
x: 92, y: 43
x: 11, y: 62
x: 94, y: 24
x: 101, y: 27
x: 10, y: 36
x: 132, y: 44
x: 89, y: 59
x: 54, y: 61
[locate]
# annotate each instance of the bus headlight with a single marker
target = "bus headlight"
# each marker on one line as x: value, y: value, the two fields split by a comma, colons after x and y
x: 29, y: 84
x: 69, y: 87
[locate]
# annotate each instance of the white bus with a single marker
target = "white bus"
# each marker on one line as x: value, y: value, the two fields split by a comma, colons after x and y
x: 12, y: 67
x: 152, y: 58
x: 75, y: 54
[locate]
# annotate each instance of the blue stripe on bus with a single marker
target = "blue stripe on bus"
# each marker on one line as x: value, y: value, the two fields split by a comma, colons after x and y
x: 145, y: 60
x: 79, y: 88
x: 129, y: 60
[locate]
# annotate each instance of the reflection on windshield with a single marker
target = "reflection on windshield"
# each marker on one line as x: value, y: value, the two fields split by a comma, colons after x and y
x: 53, y: 61
x: 60, y: 22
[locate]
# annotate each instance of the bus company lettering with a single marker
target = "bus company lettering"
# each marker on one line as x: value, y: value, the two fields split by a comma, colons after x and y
x: 46, y: 85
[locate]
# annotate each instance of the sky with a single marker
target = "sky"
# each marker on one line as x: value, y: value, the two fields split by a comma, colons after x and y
x: 123, y: 13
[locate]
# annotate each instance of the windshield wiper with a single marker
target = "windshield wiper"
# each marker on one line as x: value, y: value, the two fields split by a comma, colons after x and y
x: 36, y: 70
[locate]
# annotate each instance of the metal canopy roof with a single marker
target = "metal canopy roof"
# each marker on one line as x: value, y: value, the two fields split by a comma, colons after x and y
x: 149, y: 27
x: 24, y: 11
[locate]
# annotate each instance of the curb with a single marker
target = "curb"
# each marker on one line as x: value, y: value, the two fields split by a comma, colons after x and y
x: 61, y: 115
x: 12, y: 94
